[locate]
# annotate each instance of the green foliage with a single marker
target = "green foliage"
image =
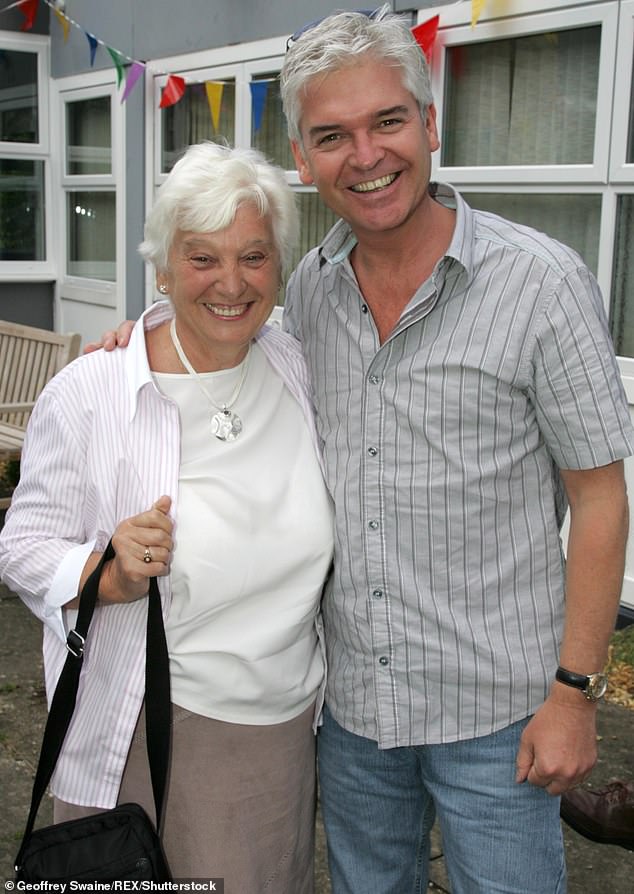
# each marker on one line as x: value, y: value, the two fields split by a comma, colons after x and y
x: 9, y: 475
x: 623, y: 645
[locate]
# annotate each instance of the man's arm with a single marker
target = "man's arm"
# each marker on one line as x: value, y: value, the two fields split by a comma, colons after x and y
x: 558, y: 748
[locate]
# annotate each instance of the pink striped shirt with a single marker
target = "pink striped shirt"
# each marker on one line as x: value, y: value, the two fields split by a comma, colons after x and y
x: 102, y: 445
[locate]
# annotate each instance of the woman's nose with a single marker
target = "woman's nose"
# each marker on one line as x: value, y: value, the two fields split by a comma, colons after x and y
x: 230, y: 282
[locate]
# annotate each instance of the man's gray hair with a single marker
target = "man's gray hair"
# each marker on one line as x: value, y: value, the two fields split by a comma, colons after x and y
x: 341, y: 40
x: 203, y: 192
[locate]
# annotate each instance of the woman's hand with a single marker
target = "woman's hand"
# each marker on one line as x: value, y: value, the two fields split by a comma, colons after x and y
x: 143, y: 546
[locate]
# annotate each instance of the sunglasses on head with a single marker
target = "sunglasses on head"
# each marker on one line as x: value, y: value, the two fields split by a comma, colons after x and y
x: 370, y: 13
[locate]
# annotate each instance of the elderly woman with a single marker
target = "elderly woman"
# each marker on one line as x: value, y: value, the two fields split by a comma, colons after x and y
x: 195, y: 450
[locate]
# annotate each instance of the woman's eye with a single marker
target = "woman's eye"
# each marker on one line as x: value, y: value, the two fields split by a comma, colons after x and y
x: 255, y: 259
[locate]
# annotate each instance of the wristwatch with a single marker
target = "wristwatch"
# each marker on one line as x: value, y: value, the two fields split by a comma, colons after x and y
x: 593, y: 686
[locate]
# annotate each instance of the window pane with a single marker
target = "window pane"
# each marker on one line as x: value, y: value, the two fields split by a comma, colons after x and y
x: 18, y: 97
x: 572, y: 219
x: 88, y: 136
x: 22, y: 233
x: 622, y: 311
x: 190, y: 121
x: 271, y: 137
x: 91, y: 235
x: 315, y: 221
x: 524, y: 101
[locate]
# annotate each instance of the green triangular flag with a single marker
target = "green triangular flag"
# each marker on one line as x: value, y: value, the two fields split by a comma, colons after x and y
x: 119, y: 62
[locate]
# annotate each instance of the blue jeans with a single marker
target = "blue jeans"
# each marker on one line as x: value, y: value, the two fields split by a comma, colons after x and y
x: 379, y: 806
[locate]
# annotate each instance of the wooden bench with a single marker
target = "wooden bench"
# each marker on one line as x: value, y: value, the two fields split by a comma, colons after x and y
x: 29, y: 358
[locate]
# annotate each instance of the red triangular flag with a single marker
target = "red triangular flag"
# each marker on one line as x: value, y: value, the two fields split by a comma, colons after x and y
x: 172, y: 91
x: 28, y: 8
x: 425, y: 35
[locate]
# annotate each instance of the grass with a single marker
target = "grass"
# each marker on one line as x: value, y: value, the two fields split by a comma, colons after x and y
x: 622, y: 643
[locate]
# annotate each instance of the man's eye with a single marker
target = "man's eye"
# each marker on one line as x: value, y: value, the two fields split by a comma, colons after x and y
x: 329, y: 138
x: 390, y: 122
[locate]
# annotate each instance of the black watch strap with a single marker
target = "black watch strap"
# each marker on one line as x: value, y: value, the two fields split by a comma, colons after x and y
x: 593, y: 686
x: 579, y: 681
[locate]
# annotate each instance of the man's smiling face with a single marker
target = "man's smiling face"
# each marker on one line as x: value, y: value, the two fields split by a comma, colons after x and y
x: 365, y: 146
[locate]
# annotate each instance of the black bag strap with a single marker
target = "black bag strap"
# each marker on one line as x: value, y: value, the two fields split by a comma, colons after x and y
x: 157, y: 699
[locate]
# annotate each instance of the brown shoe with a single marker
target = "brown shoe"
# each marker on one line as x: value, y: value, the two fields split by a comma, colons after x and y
x: 605, y: 815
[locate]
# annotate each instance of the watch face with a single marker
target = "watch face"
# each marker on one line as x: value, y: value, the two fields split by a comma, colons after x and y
x: 597, y: 684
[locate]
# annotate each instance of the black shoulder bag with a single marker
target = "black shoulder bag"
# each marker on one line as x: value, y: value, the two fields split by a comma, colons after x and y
x: 121, y: 843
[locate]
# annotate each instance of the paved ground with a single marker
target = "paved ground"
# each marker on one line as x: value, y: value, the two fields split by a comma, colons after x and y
x: 592, y: 868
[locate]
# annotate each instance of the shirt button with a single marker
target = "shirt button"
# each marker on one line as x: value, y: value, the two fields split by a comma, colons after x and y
x: 372, y: 451
x: 364, y: 308
x: 377, y: 593
x: 373, y: 525
x: 383, y: 660
x: 374, y: 380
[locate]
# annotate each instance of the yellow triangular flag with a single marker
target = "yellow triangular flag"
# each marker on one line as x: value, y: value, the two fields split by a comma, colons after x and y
x: 61, y: 18
x: 214, y: 98
x: 476, y: 10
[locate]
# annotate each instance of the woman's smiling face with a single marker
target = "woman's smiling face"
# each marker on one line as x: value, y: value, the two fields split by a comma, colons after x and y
x: 223, y: 287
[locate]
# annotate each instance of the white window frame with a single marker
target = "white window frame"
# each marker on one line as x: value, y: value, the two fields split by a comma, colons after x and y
x: 39, y: 45
x: 456, y: 29
x: 620, y: 170
x: 76, y: 88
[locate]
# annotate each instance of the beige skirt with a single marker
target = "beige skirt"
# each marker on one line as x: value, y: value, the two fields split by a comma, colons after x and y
x: 240, y: 802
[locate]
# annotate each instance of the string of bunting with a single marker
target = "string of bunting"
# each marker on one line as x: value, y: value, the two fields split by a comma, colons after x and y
x: 131, y: 70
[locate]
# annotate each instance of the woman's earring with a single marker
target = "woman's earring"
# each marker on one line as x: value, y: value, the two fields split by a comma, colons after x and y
x: 163, y: 289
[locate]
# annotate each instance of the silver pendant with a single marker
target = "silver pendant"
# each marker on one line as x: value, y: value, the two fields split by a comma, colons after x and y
x: 225, y: 425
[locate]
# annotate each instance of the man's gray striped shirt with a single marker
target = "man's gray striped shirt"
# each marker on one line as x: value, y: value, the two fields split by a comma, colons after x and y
x: 444, y: 613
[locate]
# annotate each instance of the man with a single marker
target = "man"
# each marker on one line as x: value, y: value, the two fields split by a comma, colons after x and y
x: 465, y: 389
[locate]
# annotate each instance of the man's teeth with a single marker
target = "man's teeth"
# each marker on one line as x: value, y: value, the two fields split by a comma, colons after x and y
x: 370, y: 185
x: 226, y: 311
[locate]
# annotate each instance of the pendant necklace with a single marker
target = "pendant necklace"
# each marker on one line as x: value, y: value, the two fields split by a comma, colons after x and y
x: 225, y: 424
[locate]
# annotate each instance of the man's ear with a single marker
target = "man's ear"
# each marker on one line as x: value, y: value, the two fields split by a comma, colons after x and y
x: 300, y: 163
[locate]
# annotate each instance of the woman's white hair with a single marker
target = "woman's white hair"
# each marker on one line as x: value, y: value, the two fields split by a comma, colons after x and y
x: 338, y: 42
x: 203, y: 192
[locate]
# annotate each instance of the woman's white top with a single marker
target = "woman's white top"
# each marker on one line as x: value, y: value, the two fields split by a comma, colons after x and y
x: 253, y: 544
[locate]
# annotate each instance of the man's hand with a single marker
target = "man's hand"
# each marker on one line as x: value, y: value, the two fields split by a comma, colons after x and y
x: 113, y: 338
x: 558, y: 748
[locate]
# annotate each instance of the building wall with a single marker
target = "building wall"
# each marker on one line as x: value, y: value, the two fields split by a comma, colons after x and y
x: 29, y: 303
x: 154, y: 28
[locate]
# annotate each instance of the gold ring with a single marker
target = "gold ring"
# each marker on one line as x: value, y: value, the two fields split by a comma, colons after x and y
x: 147, y: 555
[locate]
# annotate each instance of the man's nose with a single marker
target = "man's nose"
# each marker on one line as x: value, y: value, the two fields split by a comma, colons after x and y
x: 368, y: 151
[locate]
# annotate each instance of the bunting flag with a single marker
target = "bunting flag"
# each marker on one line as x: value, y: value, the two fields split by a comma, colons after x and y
x: 476, y: 11
x: 425, y: 35
x: 259, y: 90
x: 119, y: 63
x: 134, y: 73
x: 62, y: 19
x: 93, y: 43
x: 214, y: 90
x: 172, y: 91
x: 28, y: 8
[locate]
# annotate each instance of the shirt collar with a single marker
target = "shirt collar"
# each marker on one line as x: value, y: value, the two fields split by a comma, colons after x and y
x: 340, y: 240
x: 137, y: 365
